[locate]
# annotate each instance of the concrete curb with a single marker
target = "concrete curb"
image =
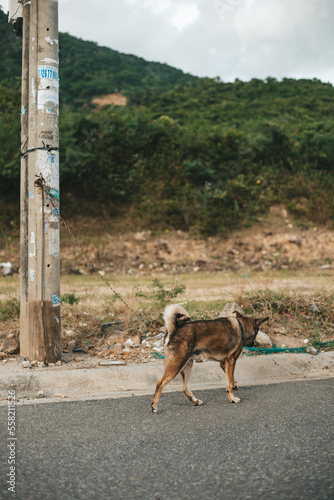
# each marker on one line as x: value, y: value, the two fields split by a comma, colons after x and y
x: 117, y: 381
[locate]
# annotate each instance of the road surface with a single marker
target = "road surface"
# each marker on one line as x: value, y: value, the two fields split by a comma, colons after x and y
x: 277, y: 443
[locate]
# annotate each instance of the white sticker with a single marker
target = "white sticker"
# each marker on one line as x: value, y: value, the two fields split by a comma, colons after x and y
x: 54, y: 242
x: 47, y: 96
x: 32, y: 237
x: 32, y: 274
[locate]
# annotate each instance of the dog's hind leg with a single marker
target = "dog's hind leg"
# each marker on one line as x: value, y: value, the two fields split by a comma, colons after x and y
x: 171, y: 370
x: 186, y: 373
x: 229, y: 368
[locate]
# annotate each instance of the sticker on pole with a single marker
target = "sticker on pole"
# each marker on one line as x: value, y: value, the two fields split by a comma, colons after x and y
x: 49, y: 72
x: 55, y: 300
x: 54, y: 242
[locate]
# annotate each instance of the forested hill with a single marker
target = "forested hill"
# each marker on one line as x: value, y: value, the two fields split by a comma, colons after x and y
x: 188, y: 153
x: 88, y: 70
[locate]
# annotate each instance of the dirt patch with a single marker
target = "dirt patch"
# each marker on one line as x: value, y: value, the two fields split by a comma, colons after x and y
x: 275, y: 256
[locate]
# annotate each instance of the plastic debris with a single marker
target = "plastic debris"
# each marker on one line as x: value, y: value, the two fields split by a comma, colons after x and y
x: 6, y: 268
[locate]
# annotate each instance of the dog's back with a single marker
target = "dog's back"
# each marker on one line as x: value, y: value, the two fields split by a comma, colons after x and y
x: 213, y: 339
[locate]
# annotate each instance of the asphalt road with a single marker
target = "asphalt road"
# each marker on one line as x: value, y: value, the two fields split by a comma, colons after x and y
x: 276, y: 444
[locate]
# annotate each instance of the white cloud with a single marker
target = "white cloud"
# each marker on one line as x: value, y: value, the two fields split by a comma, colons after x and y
x: 227, y: 38
x: 185, y: 15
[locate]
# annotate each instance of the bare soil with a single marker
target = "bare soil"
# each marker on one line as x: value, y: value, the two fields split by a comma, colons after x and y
x: 277, y: 255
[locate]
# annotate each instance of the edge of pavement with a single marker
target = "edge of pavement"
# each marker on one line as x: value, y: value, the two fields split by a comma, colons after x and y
x: 64, y: 383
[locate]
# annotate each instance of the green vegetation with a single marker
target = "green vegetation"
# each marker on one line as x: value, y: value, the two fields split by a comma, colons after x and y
x: 159, y: 294
x: 69, y: 298
x: 188, y: 153
x: 9, y: 309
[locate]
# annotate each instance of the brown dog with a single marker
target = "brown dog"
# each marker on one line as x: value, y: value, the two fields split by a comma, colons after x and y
x: 219, y: 339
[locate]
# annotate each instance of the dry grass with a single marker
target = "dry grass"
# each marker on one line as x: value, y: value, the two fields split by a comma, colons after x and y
x: 302, y: 304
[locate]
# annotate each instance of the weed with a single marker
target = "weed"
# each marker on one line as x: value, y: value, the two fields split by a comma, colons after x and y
x: 70, y: 298
x: 9, y: 309
x: 163, y: 296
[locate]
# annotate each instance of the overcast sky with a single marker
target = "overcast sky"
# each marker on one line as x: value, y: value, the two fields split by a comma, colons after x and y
x: 227, y: 38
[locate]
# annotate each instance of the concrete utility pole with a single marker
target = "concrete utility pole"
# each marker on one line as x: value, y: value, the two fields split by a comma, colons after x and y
x: 40, y: 257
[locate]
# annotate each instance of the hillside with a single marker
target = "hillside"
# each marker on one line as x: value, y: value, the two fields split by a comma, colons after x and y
x: 105, y: 70
x: 193, y: 154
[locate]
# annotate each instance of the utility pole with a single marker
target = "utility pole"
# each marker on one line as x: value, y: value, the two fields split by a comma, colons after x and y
x: 40, y: 256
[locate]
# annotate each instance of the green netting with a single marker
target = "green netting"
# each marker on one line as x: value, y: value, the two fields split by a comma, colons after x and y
x: 256, y: 351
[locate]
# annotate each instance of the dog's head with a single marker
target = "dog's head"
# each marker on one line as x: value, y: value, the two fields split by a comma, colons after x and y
x: 251, y: 328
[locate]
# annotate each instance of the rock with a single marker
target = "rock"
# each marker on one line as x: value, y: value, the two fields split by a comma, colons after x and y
x: 129, y: 343
x: 311, y: 350
x: 140, y: 236
x: 69, y: 333
x: 71, y: 344
x: 281, y: 331
x: 126, y: 350
x: 314, y: 308
x: 26, y: 364
x: 136, y: 340
x: 40, y: 364
x: 58, y: 363
x: 40, y: 394
x: 229, y: 310
x: 306, y: 341
x: 101, y: 354
x: 78, y: 360
x: 11, y: 346
x: 263, y: 340
x: 325, y: 266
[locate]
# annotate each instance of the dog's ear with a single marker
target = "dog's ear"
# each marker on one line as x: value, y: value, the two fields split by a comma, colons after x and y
x: 237, y: 314
x: 259, y: 321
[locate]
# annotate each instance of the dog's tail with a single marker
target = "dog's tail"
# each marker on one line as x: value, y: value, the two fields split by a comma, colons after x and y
x: 173, y: 314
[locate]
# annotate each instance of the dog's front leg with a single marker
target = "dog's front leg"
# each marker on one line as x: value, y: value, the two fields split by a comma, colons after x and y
x: 234, y: 382
x: 229, y: 369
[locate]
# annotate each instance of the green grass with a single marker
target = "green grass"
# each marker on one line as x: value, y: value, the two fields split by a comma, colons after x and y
x: 9, y: 309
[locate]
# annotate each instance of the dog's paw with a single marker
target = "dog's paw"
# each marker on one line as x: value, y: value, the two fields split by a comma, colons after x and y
x: 198, y: 402
x: 236, y: 400
x: 154, y: 409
